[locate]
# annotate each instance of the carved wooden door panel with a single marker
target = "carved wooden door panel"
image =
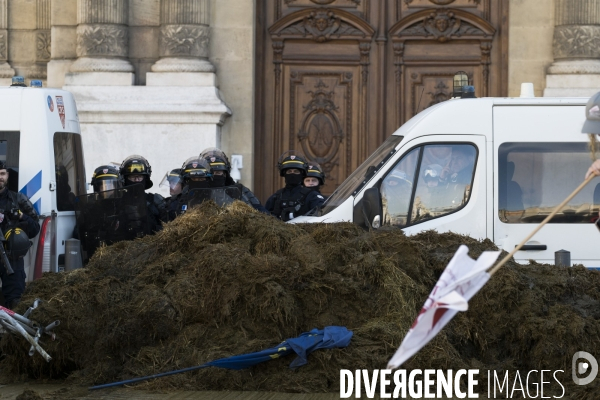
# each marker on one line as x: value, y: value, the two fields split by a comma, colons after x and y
x: 334, y: 78
x: 431, y: 44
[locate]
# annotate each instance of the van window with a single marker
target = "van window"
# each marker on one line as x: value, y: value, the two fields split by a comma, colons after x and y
x: 433, y: 180
x: 70, y: 172
x: 397, y: 188
x: 9, y: 153
x: 533, y: 178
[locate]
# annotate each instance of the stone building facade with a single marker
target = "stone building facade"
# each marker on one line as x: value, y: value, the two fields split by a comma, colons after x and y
x: 160, y: 78
x: 166, y: 78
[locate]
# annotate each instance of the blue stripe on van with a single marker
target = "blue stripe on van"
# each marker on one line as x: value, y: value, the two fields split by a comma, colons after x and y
x: 33, y: 186
x: 38, y: 206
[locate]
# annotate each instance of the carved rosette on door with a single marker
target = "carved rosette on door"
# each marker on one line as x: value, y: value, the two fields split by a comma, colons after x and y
x: 321, y: 132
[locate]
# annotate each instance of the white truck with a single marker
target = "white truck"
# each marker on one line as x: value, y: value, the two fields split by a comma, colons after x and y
x: 487, y: 168
x: 41, y: 143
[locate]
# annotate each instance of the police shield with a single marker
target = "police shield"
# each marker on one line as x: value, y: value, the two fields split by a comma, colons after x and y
x: 222, y: 196
x: 198, y: 196
x: 226, y: 195
x: 111, y: 216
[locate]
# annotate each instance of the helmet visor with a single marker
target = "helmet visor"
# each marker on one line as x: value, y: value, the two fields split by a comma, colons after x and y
x: 106, y: 184
x: 172, y: 181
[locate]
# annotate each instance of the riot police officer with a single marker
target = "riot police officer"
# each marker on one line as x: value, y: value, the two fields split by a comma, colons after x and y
x: 196, y: 174
x: 315, y: 177
x: 106, y: 178
x: 221, y: 168
x: 135, y: 169
x: 294, y: 199
x: 174, y: 181
x: 19, y: 221
x: 98, y: 220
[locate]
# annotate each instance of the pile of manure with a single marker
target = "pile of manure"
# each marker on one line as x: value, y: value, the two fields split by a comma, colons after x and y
x: 219, y: 282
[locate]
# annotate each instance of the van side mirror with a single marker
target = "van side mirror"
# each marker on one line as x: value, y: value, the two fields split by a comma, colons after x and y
x: 371, y: 207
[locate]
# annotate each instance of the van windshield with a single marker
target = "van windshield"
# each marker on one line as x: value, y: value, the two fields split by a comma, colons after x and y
x: 362, y: 174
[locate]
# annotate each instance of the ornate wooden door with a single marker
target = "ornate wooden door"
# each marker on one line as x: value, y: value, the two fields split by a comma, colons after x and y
x: 334, y: 78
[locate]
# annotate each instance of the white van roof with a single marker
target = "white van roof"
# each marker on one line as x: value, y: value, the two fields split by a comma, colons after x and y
x: 20, y: 105
x: 474, y: 116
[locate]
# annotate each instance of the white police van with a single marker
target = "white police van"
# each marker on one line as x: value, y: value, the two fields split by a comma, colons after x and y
x: 487, y: 168
x: 40, y: 141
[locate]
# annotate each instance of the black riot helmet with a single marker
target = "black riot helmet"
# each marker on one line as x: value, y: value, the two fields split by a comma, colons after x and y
x: 217, y: 159
x: 292, y: 159
x: 16, y: 243
x: 136, y: 165
x: 174, y: 176
x: 195, y: 167
x: 106, y: 177
x: 173, y: 180
x: 315, y: 171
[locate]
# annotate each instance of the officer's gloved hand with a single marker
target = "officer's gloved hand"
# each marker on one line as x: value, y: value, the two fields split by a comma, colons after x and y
x: 288, y: 214
x: 14, y: 214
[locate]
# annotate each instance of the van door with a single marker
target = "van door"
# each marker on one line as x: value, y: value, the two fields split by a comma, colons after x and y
x: 438, y: 183
x: 70, y: 182
x: 541, y: 158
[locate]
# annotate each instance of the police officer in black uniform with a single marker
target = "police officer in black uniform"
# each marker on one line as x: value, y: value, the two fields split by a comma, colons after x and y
x: 315, y: 177
x: 221, y: 168
x: 196, y: 174
x: 294, y: 199
x: 135, y: 169
x: 17, y: 217
x: 97, y: 220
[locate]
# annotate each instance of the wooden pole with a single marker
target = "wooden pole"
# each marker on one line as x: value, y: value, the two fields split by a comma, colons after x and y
x: 544, y: 222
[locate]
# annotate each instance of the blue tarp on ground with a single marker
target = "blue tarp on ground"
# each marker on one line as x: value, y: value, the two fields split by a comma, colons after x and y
x: 328, y: 338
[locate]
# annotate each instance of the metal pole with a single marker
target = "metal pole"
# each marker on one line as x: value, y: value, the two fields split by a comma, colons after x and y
x: 145, y: 378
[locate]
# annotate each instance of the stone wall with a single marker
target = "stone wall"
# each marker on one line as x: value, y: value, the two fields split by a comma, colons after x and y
x: 531, y: 28
x: 232, y: 54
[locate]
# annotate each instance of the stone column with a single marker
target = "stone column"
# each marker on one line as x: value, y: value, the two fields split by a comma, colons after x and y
x: 43, y: 39
x: 6, y: 72
x: 184, y: 36
x: 102, y: 44
x: 576, y: 46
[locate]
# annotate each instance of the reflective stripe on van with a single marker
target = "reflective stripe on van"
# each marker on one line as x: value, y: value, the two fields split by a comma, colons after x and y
x: 31, y: 188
